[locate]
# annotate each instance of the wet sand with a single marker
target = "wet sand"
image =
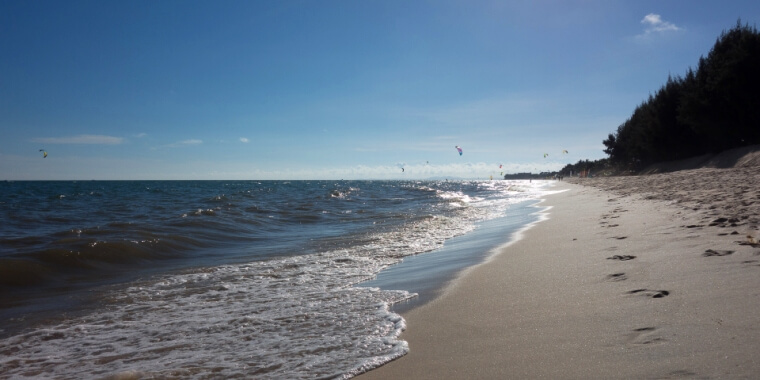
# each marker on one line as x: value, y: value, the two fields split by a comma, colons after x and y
x: 629, y: 277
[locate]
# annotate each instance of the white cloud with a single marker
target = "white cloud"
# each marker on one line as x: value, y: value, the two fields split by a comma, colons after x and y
x: 244, y: 139
x: 655, y: 24
x: 82, y: 139
x: 141, y: 135
x: 184, y: 143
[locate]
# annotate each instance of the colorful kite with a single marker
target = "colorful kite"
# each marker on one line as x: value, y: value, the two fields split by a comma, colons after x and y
x: 44, y: 153
x: 459, y: 149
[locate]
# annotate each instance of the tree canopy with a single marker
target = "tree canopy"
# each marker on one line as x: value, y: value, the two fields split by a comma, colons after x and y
x: 714, y: 108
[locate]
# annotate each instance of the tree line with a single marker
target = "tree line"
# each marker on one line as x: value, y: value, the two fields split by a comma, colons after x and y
x: 588, y: 167
x: 715, y: 108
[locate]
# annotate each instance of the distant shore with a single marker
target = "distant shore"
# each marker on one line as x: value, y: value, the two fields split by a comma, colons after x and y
x: 630, y: 277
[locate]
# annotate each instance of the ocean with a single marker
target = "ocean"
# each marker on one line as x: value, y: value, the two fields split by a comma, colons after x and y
x: 233, y: 279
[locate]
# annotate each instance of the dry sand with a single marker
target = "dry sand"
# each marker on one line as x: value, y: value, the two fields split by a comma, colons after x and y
x: 713, y: 194
x: 628, y: 278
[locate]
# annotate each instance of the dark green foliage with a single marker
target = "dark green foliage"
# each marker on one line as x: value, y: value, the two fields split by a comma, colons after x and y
x: 597, y: 168
x: 707, y: 111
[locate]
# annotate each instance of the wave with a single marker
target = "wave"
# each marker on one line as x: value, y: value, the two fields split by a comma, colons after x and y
x: 88, y: 259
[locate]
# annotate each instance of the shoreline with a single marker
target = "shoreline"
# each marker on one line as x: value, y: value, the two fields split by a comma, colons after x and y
x: 611, y: 285
x: 429, y: 273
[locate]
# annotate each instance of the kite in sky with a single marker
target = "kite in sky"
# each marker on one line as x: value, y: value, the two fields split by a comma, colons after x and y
x: 44, y: 153
x: 564, y: 151
x: 546, y: 155
x: 459, y: 149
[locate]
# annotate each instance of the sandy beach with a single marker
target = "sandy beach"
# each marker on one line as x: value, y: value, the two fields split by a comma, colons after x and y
x: 650, y: 277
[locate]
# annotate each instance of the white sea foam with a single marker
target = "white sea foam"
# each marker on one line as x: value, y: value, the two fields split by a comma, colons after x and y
x: 295, y: 317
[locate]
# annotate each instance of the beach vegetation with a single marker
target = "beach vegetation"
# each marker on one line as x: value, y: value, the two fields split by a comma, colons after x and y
x: 708, y: 110
x: 602, y: 167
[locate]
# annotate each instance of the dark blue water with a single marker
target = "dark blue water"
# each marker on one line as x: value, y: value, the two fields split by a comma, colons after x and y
x: 230, y: 278
x: 73, y: 234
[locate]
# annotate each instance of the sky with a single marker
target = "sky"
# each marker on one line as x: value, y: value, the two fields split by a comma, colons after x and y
x: 359, y: 89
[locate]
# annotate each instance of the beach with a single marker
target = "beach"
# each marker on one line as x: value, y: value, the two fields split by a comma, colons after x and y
x: 627, y: 277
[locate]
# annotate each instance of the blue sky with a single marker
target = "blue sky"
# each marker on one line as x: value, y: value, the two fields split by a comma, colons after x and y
x: 332, y: 89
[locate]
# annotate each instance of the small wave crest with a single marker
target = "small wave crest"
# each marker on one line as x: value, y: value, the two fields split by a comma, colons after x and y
x: 339, y: 194
x: 87, y: 259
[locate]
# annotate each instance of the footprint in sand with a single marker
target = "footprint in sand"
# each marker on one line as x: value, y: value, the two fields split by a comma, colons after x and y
x: 617, y: 277
x: 621, y: 257
x: 644, y: 336
x: 619, y: 237
x: 650, y: 293
x: 725, y: 222
x: 751, y: 241
x: 712, y: 252
x: 680, y: 374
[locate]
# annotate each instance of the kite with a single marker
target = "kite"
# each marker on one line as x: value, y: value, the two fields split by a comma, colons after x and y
x: 459, y: 149
x: 500, y: 165
x: 402, y: 170
x: 44, y: 153
x: 546, y: 155
x: 564, y: 151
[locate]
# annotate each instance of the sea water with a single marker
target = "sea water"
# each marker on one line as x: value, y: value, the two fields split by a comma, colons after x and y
x: 230, y: 279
